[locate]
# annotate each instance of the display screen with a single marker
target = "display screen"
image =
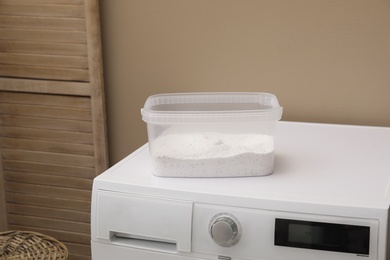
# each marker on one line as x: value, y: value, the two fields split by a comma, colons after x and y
x: 322, y: 236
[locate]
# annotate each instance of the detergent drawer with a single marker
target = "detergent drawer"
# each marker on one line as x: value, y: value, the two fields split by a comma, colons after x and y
x: 144, y: 222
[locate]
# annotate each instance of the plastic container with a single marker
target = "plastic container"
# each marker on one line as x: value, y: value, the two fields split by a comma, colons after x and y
x: 218, y: 134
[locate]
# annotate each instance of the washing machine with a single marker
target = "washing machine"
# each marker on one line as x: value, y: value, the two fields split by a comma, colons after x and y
x: 328, y: 198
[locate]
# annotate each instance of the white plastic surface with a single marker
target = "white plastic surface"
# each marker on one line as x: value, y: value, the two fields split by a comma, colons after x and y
x: 257, y: 239
x: 318, y: 164
x: 102, y: 251
x: 126, y: 218
x: 332, y: 172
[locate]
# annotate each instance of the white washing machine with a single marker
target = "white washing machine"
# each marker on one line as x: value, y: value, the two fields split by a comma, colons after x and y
x: 328, y: 198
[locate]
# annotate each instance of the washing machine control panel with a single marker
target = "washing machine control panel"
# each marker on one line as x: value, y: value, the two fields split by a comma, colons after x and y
x: 247, y: 233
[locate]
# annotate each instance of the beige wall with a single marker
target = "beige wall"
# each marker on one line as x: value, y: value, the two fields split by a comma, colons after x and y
x: 326, y: 60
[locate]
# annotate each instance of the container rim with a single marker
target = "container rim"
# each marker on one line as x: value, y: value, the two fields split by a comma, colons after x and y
x: 268, y: 107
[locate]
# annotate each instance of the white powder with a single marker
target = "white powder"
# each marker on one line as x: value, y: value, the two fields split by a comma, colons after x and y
x: 209, y: 154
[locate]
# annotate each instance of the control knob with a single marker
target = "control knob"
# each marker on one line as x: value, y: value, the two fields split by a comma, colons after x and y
x: 225, y: 230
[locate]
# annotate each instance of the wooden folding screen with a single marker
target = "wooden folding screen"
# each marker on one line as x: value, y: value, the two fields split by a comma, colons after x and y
x: 52, y: 119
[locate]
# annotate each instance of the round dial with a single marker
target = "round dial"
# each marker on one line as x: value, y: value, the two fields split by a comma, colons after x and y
x: 225, y: 230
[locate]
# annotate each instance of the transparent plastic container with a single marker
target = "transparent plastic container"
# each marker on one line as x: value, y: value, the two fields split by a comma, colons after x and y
x: 212, y: 134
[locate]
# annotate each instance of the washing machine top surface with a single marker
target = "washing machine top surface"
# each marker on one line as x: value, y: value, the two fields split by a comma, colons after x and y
x: 319, y: 164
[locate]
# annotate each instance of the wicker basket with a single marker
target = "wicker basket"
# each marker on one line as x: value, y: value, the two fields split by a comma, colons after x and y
x: 26, y: 245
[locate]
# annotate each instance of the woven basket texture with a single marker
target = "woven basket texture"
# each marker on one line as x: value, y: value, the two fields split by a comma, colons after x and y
x: 26, y: 245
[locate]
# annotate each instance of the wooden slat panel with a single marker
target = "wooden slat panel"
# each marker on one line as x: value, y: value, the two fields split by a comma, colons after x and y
x: 3, y: 204
x: 42, y: 10
x: 44, y: 86
x: 96, y: 79
x: 55, y: 181
x: 51, y: 169
x: 54, y: 36
x: 47, y: 135
x: 78, y: 257
x: 40, y: 190
x: 46, y: 196
x: 44, y: 73
x: 43, y: 48
x: 74, y: 237
x: 56, y: 61
x: 53, y: 158
x: 65, y: 2
x: 73, y: 102
x: 44, y: 146
x: 64, y: 225
x: 48, y: 201
x: 79, y: 249
x: 46, y: 23
x: 45, y: 111
x: 70, y: 215
x: 46, y: 123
